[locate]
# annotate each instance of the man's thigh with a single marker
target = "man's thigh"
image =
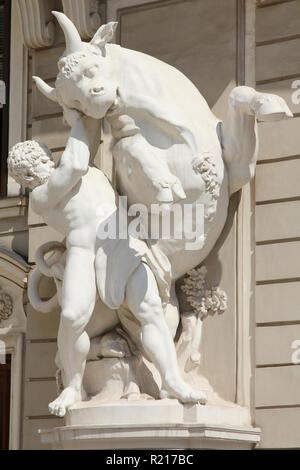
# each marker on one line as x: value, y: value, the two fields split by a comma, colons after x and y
x: 79, y: 286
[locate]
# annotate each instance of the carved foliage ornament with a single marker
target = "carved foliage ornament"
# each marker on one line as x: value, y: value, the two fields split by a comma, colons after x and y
x: 204, y: 300
x: 6, y: 306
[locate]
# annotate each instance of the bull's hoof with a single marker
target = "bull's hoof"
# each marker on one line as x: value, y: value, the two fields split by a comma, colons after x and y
x: 268, y: 107
x: 264, y: 106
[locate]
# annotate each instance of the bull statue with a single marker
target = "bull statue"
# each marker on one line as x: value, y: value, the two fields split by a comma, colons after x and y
x: 169, y: 149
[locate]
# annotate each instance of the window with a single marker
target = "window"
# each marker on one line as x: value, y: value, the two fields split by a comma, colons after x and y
x: 4, y: 76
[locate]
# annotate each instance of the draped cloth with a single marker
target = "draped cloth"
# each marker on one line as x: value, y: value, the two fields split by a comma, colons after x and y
x: 116, y: 260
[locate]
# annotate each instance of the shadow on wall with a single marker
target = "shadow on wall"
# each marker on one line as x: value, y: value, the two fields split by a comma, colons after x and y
x: 218, y: 347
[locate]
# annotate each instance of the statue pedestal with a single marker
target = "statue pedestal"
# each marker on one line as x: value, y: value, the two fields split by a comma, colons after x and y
x: 161, y: 424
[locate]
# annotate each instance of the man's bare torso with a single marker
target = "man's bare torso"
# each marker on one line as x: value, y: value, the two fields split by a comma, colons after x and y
x: 78, y: 213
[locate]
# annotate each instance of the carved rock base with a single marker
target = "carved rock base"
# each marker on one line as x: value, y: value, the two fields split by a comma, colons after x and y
x: 161, y: 424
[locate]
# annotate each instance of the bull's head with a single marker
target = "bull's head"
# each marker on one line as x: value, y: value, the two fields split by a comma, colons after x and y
x: 85, y: 81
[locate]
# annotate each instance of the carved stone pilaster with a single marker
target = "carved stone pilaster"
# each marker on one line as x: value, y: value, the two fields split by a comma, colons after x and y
x: 84, y: 14
x: 37, y: 22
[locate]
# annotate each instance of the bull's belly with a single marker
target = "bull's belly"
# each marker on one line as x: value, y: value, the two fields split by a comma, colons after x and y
x: 195, y: 185
x: 183, y: 255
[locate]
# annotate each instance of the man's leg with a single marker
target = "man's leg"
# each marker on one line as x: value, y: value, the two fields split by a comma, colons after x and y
x: 78, y: 300
x: 143, y: 300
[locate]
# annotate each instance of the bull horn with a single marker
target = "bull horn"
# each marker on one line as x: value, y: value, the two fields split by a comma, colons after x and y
x: 46, y: 89
x: 72, y: 37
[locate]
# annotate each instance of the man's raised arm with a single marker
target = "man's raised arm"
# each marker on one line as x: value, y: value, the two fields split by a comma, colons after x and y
x: 74, y: 164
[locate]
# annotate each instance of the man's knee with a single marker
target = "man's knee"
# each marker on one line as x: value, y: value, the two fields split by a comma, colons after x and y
x: 73, y: 319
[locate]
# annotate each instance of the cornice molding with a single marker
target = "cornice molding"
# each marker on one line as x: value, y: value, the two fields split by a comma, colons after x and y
x: 13, y: 267
x: 84, y: 14
x: 37, y: 22
x: 15, y: 206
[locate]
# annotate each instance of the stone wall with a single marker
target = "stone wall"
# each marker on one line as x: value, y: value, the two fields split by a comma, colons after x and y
x: 277, y: 222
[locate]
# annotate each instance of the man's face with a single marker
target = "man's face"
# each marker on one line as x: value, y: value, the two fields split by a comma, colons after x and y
x: 44, y: 168
x: 39, y: 173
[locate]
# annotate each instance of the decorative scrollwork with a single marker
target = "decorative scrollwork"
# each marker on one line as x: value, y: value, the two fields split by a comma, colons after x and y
x: 37, y: 23
x: 84, y: 14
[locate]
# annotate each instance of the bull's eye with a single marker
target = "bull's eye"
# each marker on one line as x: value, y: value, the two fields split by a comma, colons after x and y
x: 91, y: 71
x: 88, y: 73
x: 96, y: 90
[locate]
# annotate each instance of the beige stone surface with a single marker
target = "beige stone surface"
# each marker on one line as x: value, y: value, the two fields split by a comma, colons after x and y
x: 278, y: 180
x: 273, y: 344
x: 280, y: 427
x: 277, y: 302
x: 277, y: 221
x: 51, y: 131
x: 278, y: 21
x: 40, y: 360
x: 277, y: 261
x: 279, y: 139
x: 16, y: 241
x: 31, y: 437
x: 41, y: 326
x: 161, y: 31
x: 41, y: 106
x: 12, y: 224
x: 217, y: 355
x: 45, y: 62
x: 277, y: 60
x: 282, y: 88
x: 277, y: 386
x: 38, y: 394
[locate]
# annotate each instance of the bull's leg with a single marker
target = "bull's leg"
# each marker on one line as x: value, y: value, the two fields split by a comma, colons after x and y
x: 144, y: 302
x: 239, y: 130
x: 139, y: 162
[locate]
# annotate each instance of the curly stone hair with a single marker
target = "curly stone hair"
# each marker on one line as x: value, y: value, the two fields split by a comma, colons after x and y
x: 23, y: 159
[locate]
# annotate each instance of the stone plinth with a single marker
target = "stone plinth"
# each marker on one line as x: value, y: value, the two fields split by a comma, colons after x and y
x: 162, y: 424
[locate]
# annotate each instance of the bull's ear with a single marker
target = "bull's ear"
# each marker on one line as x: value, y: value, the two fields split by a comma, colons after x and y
x: 104, y: 34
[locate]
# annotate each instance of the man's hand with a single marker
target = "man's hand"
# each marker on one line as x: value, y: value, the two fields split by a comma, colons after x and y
x: 70, y: 116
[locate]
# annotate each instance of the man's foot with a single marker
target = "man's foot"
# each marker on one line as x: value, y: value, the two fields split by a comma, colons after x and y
x: 66, y: 399
x: 183, y: 392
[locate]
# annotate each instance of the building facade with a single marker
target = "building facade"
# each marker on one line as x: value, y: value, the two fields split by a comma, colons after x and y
x: 217, y: 44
